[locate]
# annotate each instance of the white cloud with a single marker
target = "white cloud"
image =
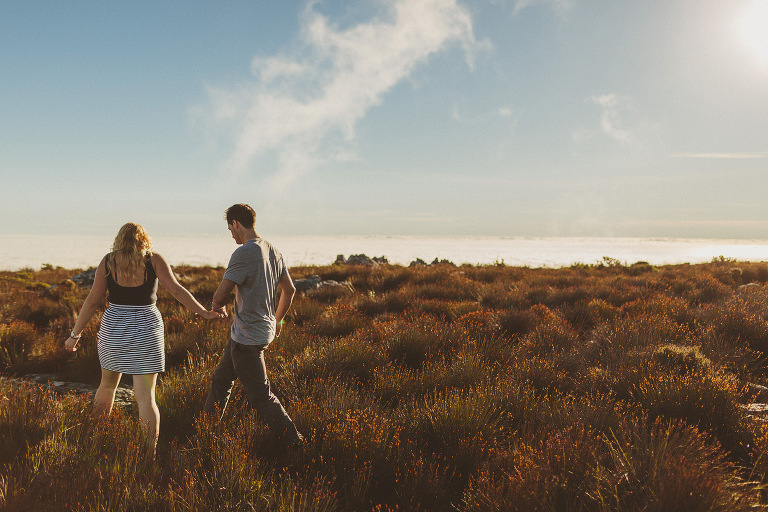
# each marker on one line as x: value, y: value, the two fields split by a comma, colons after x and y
x: 560, y: 6
x: 304, y: 106
x: 610, y: 120
x: 505, y: 112
x: 737, y: 156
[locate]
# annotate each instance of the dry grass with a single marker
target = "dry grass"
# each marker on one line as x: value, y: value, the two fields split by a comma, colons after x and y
x: 594, y: 388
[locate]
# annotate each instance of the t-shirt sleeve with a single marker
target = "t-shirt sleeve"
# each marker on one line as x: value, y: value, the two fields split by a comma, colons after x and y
x: 237, y: 270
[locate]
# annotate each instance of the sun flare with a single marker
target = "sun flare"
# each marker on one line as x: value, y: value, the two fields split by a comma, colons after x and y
x: 752, y: 30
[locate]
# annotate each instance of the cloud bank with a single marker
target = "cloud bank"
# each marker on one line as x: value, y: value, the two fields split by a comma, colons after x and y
x: 303, y: 107
x: 736, y: 156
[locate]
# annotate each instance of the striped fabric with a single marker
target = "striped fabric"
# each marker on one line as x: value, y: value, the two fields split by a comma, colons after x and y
x: 132, y: 340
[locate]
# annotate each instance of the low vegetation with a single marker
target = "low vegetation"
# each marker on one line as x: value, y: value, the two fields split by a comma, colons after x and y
x: 606, y: 387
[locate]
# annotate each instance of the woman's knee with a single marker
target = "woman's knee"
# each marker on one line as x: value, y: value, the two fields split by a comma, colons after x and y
x: 144, y: 387
x: 109, y: 379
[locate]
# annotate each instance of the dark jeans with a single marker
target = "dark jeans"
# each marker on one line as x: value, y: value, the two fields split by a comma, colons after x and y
x: 246, y: 362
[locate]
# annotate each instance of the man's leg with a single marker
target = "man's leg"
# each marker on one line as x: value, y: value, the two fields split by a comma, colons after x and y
x: 249, y: 364
x: 222, y: 380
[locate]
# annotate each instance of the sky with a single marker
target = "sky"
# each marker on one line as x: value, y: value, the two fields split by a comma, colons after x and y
x: 403, y: 117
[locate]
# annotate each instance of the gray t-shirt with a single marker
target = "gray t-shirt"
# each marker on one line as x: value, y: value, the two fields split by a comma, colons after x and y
x: 256, y: 267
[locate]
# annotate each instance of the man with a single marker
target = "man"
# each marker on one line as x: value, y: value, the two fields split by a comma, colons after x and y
x: 255, y: 271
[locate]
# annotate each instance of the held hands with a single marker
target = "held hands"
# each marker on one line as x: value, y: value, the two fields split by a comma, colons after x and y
x: 215, y: 314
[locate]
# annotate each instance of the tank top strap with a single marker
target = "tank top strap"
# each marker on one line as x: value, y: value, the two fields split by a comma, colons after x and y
x: 149, y: 269
x: 107, y: 258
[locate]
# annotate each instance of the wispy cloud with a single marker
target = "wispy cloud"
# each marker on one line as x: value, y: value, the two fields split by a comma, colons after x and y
x: 721, y: 155
x: 611, y: 119
x: 505, y: 112
x: 303, y: 107
x: 560, y: 6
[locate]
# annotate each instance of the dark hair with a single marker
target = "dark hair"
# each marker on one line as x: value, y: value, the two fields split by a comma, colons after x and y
x: 242, y: 213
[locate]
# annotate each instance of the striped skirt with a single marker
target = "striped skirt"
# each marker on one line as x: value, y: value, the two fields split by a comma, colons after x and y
x: 132, y: 339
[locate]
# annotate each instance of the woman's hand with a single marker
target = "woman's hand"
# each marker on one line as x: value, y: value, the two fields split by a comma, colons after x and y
x: 71, y: 344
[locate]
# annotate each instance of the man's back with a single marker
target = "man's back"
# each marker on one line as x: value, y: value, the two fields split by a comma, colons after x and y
x: 256, y: 268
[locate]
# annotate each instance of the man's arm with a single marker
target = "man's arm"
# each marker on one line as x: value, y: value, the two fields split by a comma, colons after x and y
x: 221, y: 296
x: 287, y: 291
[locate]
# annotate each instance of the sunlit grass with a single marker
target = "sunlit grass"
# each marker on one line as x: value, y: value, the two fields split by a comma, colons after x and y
x: 605, y: 387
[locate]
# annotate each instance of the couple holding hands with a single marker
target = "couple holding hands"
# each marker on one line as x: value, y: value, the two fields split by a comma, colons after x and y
x: 131, y: 334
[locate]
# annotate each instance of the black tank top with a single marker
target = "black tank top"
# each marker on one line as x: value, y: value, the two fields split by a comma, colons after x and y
x: 142, y: 295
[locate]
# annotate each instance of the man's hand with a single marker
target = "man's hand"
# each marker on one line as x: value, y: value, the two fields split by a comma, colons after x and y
x: 278, y: 328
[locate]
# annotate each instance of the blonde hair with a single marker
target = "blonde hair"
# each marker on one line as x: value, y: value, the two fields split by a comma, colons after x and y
x: 131, y: 246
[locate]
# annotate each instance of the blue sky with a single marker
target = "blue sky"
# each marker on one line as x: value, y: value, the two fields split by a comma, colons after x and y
x: 401, y: 117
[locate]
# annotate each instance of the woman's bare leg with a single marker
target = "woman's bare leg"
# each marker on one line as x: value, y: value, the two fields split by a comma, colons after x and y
x: 105, y: 395
x: 149, y: 414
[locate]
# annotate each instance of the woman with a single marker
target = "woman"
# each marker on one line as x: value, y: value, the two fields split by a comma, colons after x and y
x: 131, y: 336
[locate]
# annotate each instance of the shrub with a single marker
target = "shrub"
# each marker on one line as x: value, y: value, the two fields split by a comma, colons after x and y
x: 181, y: 395
x: 462, y: 425
x: 337, y: 321
x: 16, y: 342
x: 385, y: 279
x: 735, y: 322
x: 681, y: 359
x: 331, y: 294
x: 555, y: 473
x: 44, y: 313
x: 708, y: 402
x: 217, y: 470
x: 304, y: 310
x: 515, y: 322
x: 346, y: 357
x: 641, y: 332
x: 552, y: 336
x: 671, y: 466
x: 413, y: 342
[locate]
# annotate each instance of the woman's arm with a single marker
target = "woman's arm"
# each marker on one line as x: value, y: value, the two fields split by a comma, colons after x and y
x: 95, y: 298
x: 169, y: 282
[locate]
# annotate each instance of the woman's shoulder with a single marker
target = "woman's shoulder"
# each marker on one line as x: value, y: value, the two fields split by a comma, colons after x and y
x: 157, y: 260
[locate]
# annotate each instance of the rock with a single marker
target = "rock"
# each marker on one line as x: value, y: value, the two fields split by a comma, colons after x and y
x: 81, y: 280
x: 57, y: 290
x: 418, y: 262
x: 85, y: 279
x: 330, y: 283
x: 313, y: 284
x: 748, y: 286
x: 309, y: 283
x: 761, y: 392
x: 361, y: 259
x: 123, y: 396
x: 756, y: 411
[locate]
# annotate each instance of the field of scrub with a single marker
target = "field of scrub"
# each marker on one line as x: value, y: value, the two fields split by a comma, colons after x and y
x: 607, y: 387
